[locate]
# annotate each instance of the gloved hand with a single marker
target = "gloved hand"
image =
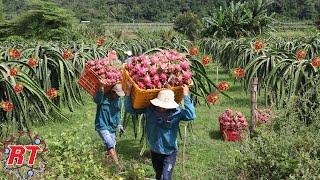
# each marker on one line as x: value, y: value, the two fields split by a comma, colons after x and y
x: 129, y: 87
x: 120, y: 129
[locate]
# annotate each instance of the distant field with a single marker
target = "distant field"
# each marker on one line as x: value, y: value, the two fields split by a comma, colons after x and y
x: 303, y: 25
x: 294, y: 25
x: 135, y: 26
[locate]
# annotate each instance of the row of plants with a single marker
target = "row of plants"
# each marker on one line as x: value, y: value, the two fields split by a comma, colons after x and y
x: 38, y: 78
x: 285, y: 148
x: 284, y: 68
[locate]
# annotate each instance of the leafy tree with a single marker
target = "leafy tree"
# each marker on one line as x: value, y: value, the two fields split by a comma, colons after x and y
x: 188, y: 24
x: 45, y: 21
x: 307, y: 9
x: 238, y: 19
x: 160, y: 10
x: 317, y: 22
x: 1, y: 11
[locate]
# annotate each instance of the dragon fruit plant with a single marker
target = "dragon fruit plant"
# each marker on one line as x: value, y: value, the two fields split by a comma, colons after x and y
x: 236, y: 121
x: 166, y: 68
x: 106, y: 72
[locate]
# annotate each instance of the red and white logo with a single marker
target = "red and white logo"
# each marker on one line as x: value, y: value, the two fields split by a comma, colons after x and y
x: 23, y: 155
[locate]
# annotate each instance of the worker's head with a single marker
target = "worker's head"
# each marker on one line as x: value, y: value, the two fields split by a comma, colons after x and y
x: 164, y: 101
x: 128, y: 53
x: 116, y: 91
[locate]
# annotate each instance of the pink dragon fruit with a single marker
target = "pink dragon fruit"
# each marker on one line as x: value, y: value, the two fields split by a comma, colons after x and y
x: 90, y: 63
x: 130, y: 66
x: 105, y: 71
x: 186, y: 76
x: 163, y: 60
x: 185, y: 65
x: 147, y: 79
x: 136, y: 78
x: 229, y: 112
x: 150, y: 85
x: 163, y: 77
x: 228, y: 120
x: 152, y: 70
x: 177, y: 68
x: 161, y: 69
x: 171, y: 68
x: 143, y: 58
x: 178, y: 80
x: 101, y: 71
x: 141, y: 85
x: 102, y: 62
x: 141, y: 71
x: 154, y: 60
x: 164, y: 66
x: 145, y: 63
x: 155, y: 79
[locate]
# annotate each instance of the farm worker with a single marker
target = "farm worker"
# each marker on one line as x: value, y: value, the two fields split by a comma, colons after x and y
x: 128, y: 56
x: 112, y: 55
x: 108, y: 118
x: 163, y: 117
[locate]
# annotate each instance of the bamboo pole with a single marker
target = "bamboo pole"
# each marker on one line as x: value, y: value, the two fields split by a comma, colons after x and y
x: 184, y: 150
x: 254, y: 106
x: 217, y: 75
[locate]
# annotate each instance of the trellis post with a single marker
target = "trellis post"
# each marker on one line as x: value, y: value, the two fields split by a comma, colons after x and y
x: 254, y: 106
x: 184, y: 149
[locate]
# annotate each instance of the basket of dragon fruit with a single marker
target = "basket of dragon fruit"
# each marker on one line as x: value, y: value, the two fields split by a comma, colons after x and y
x: 232, y: 125
x: 167, y: 69
x: 97, y: 71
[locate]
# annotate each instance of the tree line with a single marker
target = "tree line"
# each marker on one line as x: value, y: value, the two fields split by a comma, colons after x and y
x: 157, y: 11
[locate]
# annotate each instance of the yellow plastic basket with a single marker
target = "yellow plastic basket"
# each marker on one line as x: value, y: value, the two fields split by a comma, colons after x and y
x: 141, y: 97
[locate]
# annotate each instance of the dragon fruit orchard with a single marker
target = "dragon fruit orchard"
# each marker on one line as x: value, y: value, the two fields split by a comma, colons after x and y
x: 167, y: 68
x: 105, y: 70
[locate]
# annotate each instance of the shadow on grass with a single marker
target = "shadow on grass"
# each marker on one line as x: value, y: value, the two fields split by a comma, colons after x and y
x: 215, y: 134
x: 130, y: 150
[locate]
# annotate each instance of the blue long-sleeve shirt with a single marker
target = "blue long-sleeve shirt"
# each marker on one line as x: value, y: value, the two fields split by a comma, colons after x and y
x: 108, y: 112
x: 162, y: 128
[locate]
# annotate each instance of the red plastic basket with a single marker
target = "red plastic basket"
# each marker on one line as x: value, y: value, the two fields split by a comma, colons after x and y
x: 89, y: 81
x: 222, y: 127
x: 231, y: 135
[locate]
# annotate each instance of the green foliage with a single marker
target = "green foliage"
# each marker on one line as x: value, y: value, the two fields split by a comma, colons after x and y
x: 284, y: 149
x: 283, y: 155
x: 238, y: 19
x: 15, y: 38
x: 95, y: 30
x: 135, y: 172
x: 158, y: 11
x: 296, y: 9
x: 30, y: 106
x: 281, y: 75
x: 317, y: 22
x: 1, y: 11
x: 71, y: 156
x: 44, y: 21
x: 188, y: 24
x: 307, y: 106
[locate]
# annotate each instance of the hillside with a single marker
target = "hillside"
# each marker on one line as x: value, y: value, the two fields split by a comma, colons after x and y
x: 158, y: 11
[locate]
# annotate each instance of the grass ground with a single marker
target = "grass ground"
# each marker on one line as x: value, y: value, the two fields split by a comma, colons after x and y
x: 75, y: 148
